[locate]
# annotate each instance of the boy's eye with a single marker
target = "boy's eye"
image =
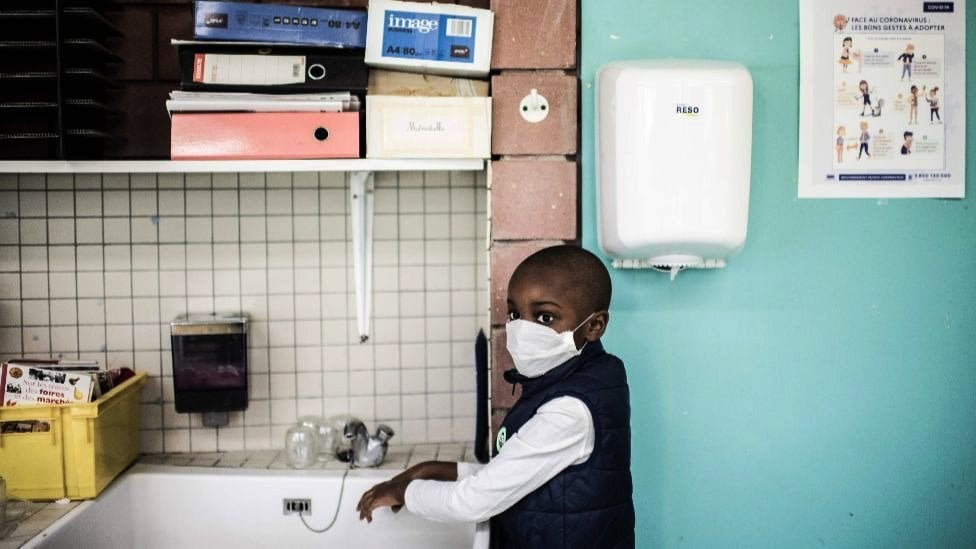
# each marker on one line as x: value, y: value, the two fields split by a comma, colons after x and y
x: 513, y: 315
x: 545, y: 318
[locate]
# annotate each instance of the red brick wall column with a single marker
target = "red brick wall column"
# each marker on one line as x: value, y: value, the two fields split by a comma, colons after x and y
x: 533, y: 177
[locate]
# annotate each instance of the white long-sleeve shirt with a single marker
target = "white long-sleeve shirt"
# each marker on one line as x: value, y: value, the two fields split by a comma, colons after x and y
x: 559, y: 435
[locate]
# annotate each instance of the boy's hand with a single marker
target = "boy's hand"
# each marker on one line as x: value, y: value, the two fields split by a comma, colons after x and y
x: 392, y: 493
x: 385, y: 494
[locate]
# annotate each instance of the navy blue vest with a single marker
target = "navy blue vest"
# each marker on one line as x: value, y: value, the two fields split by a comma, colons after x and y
x: 589, y: 505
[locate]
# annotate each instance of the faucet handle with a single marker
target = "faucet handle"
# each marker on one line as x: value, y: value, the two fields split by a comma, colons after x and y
x: 353, y: 426
x: 384, y: 432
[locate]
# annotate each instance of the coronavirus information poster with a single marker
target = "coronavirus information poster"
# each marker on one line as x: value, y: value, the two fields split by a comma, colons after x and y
x: 882, y: 99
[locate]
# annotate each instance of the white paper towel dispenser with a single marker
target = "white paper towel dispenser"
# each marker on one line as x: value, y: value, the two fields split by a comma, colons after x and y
x: 674, y: 143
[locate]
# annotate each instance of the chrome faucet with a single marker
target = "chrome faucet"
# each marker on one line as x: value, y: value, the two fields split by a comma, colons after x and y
x: 366, y: 450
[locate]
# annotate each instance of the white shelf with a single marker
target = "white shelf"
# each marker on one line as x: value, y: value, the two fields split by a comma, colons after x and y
x: 230, y: 166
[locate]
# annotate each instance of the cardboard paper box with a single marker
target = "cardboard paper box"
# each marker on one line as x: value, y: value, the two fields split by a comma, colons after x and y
x: 432, y: 38
x: 383, y: 82
x: 410, y: 115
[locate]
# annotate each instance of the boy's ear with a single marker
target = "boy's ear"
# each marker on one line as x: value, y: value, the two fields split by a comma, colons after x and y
x: 596, y: 326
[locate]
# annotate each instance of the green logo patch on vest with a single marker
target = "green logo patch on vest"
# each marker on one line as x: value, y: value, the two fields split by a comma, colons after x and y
x: 501, y: 438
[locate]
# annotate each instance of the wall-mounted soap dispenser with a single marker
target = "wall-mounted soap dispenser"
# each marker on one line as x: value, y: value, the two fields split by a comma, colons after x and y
x: 210, y: 365
x: 673, y: 163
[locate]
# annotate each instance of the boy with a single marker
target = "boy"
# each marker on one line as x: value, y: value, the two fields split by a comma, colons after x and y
x: 561, y: 473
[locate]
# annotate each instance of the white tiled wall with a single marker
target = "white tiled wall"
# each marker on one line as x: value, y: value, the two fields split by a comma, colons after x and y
x: 96, y: 266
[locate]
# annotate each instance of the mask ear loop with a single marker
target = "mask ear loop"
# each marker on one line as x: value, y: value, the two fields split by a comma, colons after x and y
x: 587, y: 319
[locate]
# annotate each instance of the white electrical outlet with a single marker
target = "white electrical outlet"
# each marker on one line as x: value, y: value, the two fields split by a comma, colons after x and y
x: 295, y: 506
x: 534, y: 107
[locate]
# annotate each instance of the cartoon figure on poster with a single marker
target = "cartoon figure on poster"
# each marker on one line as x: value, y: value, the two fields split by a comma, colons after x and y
x: 933, y: 100
x: 906, y: 59
x: 906, y: 147
x: 864, y: 139
x: 842, y: 144
x: 839, y: 143
x: 847, y: 53
x: 913, y: 105
x: 865, y: 98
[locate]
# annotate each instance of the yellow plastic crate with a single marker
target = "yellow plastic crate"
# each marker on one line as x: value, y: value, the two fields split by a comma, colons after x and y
x: 32, y: 464
x: 88, y: 445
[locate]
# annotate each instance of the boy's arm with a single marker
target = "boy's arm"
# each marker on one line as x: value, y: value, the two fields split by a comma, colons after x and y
x: 392, y: 492
x: 431, y: 470
x: 559, y: 435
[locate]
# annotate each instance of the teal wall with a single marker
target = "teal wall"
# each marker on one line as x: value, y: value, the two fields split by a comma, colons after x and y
x: 821, y: 390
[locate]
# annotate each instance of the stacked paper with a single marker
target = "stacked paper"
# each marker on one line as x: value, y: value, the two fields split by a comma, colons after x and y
x: 182, y: 101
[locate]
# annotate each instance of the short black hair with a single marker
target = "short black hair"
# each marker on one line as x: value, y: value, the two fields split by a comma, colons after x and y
x: 583, y: 272
x: 908, y: 134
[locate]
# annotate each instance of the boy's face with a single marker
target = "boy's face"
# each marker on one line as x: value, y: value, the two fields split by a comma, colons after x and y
x: 548, y: 300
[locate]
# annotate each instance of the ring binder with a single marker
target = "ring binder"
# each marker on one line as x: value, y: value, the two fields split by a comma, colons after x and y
x: 211, y: 66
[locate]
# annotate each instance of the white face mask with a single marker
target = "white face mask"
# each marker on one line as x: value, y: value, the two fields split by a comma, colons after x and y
x: 536, y: 349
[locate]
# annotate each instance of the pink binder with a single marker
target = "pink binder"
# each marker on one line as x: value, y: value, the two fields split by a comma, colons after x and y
x: 264, y: 135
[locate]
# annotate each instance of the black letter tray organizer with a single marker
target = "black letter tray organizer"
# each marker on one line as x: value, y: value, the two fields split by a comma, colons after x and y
x: 54, y: 86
